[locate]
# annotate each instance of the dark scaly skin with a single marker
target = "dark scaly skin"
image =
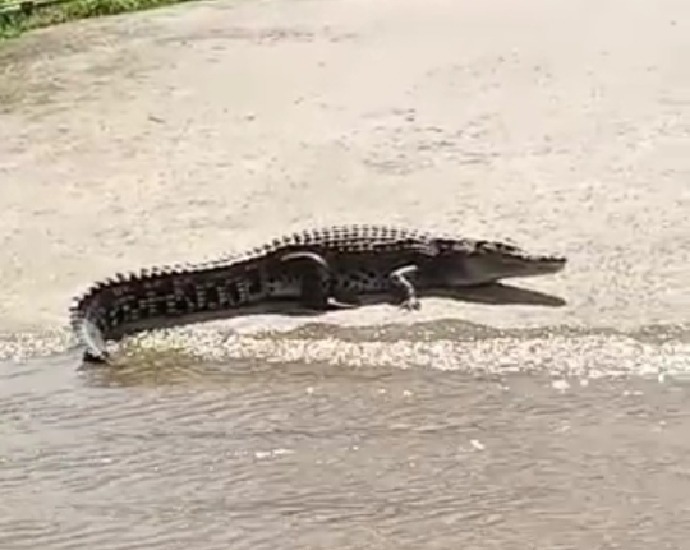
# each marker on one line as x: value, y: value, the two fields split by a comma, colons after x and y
x: 319, y: 268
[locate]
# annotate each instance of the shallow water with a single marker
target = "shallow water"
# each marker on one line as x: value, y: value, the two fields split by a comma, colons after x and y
x: 350, y: 438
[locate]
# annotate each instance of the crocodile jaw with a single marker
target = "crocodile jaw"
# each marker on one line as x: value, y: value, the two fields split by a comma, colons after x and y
x: 511, y: 267
x: 462, y: 271
x: 532, y: 266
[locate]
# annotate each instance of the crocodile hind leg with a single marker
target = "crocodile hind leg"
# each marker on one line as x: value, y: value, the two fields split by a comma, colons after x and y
x: 316, y: 281
x: 403, y: 288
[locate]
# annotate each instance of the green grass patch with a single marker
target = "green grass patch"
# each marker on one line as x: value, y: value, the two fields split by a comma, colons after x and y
x: 13, y: 22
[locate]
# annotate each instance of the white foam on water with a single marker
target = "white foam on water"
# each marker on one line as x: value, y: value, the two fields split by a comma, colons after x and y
x: 439, y: 345
x: 21, y: 346
x: 585, y: 355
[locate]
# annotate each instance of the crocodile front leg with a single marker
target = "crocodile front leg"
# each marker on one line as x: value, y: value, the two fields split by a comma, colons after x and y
x: 404, y: 288
x: 316, y: 281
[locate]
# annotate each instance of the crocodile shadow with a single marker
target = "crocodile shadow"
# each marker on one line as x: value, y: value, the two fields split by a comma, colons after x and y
x: 498, y: 294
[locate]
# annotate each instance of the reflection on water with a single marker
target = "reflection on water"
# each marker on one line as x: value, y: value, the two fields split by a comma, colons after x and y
x: 441, y: 435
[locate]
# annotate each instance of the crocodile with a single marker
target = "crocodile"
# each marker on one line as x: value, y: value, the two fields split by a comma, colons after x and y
x: 317, y: 268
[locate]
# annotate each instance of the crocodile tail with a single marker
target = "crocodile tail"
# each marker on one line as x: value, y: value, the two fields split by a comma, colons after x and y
x: 87, y: 325
x: 94, y: 343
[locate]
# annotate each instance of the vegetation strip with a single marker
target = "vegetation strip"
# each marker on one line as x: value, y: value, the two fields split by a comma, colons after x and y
x: 18, y: 17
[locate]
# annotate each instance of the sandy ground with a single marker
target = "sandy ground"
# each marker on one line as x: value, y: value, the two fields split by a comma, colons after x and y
x: 189, y: 131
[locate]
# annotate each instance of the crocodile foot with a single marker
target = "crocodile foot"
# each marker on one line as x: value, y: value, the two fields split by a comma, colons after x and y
x: 403, y: 289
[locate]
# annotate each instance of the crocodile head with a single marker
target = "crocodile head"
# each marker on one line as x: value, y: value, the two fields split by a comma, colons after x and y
x: 472, y: 262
